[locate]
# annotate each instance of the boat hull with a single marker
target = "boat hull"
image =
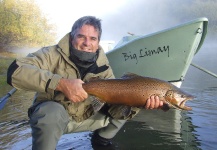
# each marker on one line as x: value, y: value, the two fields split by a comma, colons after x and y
x: 165, y: 55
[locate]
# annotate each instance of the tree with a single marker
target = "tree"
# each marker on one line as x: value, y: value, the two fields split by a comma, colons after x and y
x: 22, y: 24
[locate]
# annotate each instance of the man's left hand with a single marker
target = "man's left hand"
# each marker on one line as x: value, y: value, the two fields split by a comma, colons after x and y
x: 154, y: 103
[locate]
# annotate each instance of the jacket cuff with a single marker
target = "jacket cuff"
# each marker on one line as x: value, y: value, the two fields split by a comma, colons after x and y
x: 52, y: 83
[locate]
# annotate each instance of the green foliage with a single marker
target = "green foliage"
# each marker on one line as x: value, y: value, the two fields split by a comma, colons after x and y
x: 23, y: 25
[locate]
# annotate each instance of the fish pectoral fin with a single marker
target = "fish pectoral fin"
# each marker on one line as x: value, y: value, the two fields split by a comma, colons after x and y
x: 96, y: 103
x: 120, y: 111
x: 165, y: 107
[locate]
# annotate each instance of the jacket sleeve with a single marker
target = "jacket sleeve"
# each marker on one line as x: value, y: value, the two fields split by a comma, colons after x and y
x: 34, y: 72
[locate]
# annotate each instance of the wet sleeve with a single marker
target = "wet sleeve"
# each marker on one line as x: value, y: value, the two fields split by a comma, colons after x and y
x: 34, y: 73
x: 11, y: 70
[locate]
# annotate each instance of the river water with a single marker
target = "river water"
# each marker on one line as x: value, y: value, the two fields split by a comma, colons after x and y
x: 155, y: 130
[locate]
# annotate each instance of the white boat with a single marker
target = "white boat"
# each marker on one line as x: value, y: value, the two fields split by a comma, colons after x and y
x: 165, y: 55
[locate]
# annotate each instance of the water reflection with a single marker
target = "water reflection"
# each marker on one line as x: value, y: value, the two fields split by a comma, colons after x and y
x: 158, y: 130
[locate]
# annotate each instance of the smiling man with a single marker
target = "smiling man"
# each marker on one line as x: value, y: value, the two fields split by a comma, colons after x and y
x: 56, y: 73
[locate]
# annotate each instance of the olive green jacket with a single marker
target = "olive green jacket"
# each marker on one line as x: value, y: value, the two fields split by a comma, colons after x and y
x: 42, y: 70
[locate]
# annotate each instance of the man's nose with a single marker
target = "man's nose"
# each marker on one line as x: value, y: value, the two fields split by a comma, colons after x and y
x: 87, y: 42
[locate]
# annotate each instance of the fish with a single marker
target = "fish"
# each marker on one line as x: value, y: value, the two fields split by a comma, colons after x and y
x: 134, y: 90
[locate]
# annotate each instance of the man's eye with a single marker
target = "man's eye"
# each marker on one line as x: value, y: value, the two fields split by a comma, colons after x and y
x: 94, y: 39
x: 80, y: 36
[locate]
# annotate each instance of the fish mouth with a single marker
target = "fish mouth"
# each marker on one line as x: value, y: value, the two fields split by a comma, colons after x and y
x: 181, y: 105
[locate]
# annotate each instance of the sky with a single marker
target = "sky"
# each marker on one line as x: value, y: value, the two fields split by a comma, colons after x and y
x: 65, y: 12
x: 119, y: 17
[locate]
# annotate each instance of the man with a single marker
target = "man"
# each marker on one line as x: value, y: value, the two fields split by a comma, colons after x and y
x: 61, y: 105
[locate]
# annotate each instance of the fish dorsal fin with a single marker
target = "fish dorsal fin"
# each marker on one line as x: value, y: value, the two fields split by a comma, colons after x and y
x: 129, y: 75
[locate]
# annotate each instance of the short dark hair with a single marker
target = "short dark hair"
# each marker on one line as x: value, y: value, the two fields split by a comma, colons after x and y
x: 87, y: 20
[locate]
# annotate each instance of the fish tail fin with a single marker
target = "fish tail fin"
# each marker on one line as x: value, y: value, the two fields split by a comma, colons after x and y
x: 96, y: 103
x: 126, y: 110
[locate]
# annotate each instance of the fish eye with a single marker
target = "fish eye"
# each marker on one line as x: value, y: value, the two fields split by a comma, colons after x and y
x: 182, y: 96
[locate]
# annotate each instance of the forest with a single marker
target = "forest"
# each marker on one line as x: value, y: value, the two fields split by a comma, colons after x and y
x: 23, y: 24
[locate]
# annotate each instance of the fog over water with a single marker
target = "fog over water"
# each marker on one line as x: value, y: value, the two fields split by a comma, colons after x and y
x: 138, y: 17
x: 120, y: 17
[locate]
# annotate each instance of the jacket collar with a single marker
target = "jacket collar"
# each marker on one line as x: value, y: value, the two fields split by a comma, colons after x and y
x: 64, y: 45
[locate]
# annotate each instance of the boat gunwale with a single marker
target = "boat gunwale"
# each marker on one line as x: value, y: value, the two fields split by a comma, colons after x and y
x: 202, y: 19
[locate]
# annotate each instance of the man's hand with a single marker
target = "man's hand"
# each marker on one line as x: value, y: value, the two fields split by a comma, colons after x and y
x: 72, y: 89
x: 155, y: 103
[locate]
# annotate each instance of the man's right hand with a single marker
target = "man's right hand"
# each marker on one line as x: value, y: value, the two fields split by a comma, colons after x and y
x: 72, y: 89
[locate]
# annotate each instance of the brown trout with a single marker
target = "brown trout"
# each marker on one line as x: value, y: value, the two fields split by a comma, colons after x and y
x: 134, y: 90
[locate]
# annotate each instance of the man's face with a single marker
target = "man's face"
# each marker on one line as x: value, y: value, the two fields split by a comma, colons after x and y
x: 86, y: 39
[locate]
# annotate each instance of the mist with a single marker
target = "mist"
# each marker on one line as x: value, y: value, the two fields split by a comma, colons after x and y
x: 140, y: 17
x: 144, y: 17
